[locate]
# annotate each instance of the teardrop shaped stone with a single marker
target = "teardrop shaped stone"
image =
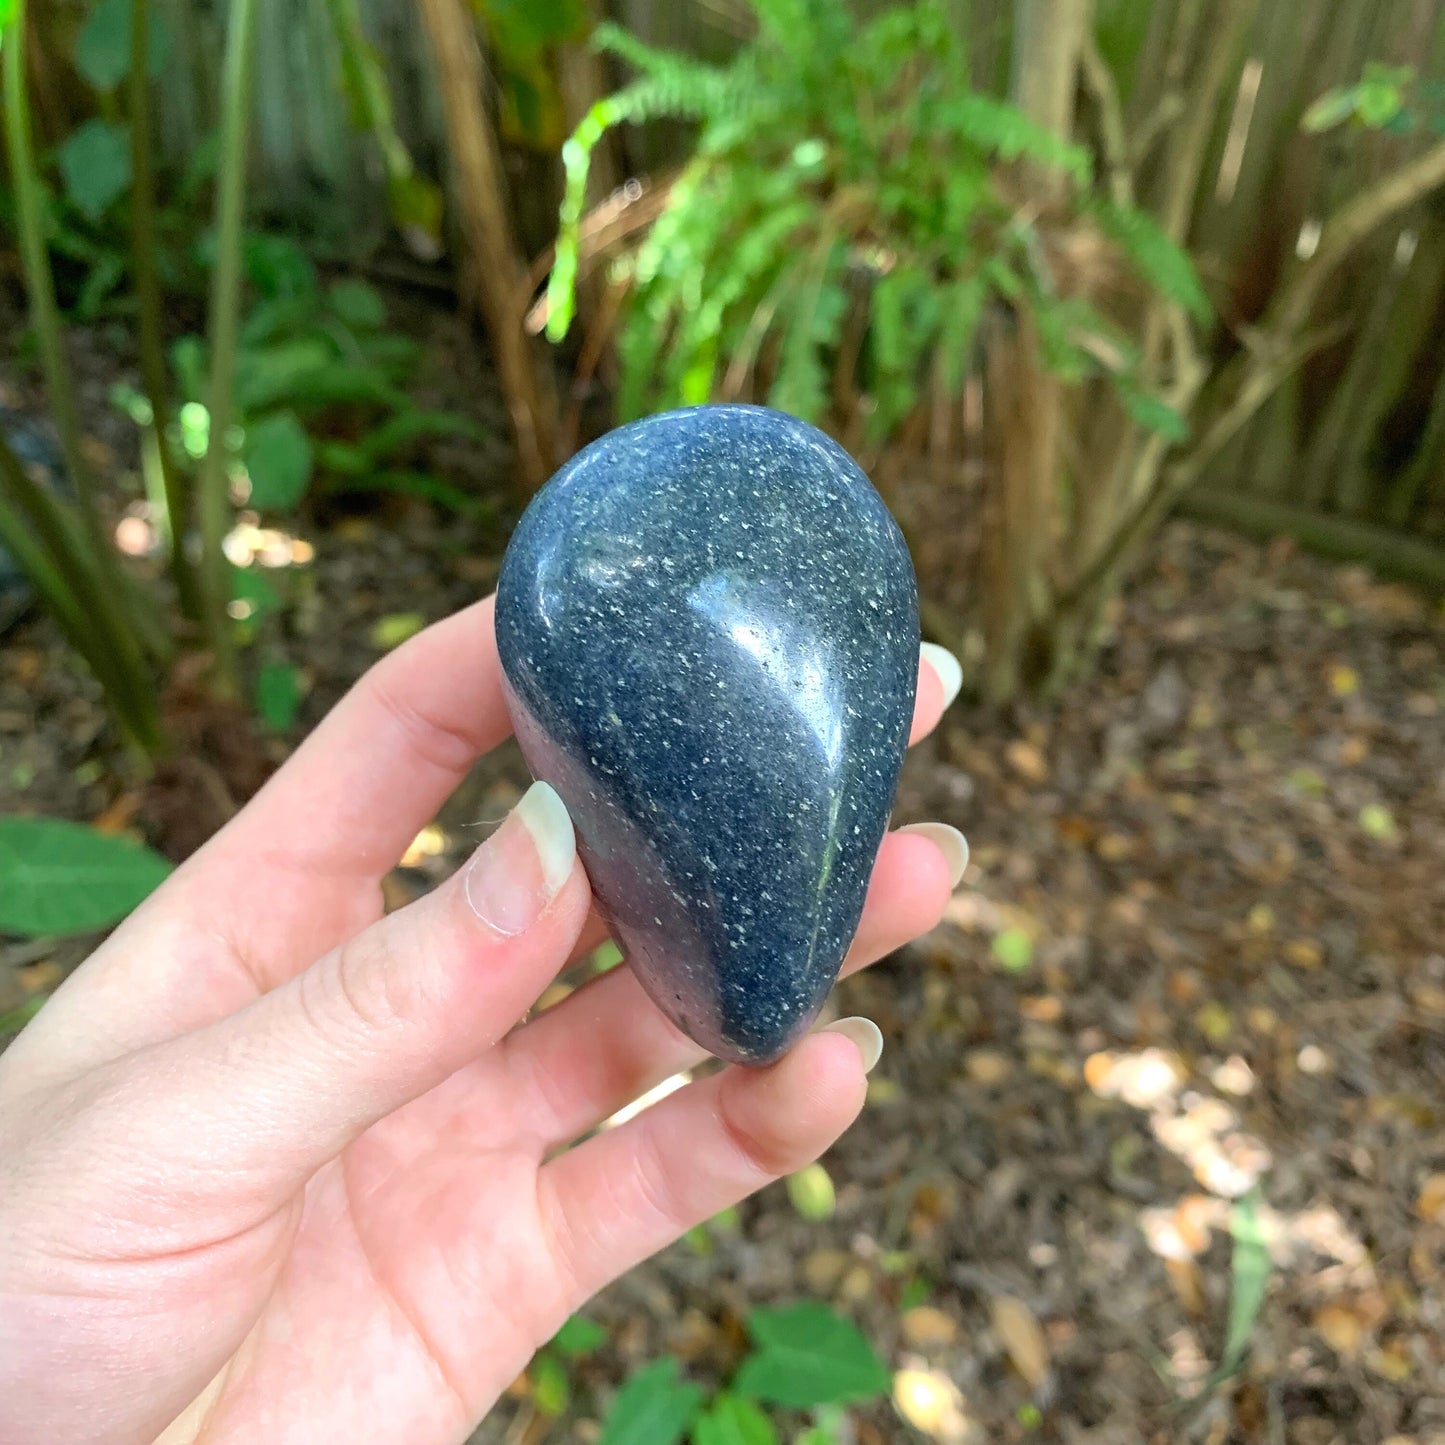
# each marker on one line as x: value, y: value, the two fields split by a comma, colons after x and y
x: 708, y: 625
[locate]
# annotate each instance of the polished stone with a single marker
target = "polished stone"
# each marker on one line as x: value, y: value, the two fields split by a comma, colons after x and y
x: 708, y: 625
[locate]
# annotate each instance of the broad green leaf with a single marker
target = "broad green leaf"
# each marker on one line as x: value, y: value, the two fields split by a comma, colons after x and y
x: 807, y: 1355
x: 7, y: 11
x: 278, y: 695
x: 358, y: 304
x: 252, y: 590
x: 278, y: 460
x: 732, y: 1420
x: 578, y: 1337
x: 654, y: 1407
x: 95, y: 166
x: 102, y: 49
x: 551, y: 1389
x: 64, y: 878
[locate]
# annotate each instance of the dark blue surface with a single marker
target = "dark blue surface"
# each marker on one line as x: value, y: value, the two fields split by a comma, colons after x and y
x: 709, y: 627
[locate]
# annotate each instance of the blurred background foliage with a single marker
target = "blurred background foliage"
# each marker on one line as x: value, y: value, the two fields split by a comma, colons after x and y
x: 1054, y: 270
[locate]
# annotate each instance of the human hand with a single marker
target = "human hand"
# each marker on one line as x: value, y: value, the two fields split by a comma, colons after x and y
x: 276, y: 1167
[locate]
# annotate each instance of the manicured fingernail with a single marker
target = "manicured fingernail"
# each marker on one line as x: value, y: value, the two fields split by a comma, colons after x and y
x: 866, y: 1037
x: 948, y: 668
x: 949, y: 841
x: 521, y: 868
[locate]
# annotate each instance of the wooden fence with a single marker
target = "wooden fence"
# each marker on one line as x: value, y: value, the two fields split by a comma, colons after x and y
x: 1357, y: 436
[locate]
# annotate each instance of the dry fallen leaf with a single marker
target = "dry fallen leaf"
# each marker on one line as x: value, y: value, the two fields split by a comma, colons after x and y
x: 1018, y: 1330
x: 824, y: 1268
x: 1430, y: 1204
x: 1027, y: 761
x: 924, y: 1325
x: 1184, y: 1276
x: 1304, y: 953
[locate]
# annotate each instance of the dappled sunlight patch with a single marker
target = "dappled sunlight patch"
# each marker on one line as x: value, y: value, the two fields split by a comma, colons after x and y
x: 645, y: 1101
x: 930, y: 1402
x: 431, y: 842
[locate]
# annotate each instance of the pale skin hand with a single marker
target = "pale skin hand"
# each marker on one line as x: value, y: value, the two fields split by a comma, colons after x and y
x: 274, y: 1167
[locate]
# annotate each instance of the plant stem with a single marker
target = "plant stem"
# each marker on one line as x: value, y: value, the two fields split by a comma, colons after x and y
x: 148, y: 301
x: 44, y: 312
x: 53, y: 558
x: 224, y: 325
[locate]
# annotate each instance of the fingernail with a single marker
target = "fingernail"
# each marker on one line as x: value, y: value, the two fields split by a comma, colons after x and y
x: 949, y: 841
x: 866, y: 1037
x: 947, y: 666
x: 521, y: 868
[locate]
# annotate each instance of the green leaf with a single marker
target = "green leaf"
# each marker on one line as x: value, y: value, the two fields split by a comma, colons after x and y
x: 1377, y: 102
x: 278, y: 695
x: 95, y: 166
x: 1331, y: 109
x: 578, y: 1337
x: 15, y: 1019
x: 1154, y: 413
x: 1248, y: 1281
x: 732, y: 1420
x: 654, y: 1407
x: 7, y: 11
x: 358, y: 305
x: 1159, y: 261
x: 806, y: 1356
x: 1013, y: 949
x: 251, y: 588
x: 64, y: 878
x: 102, y: 49
x: 606, y: 958
x: 551, y: 1390
x: 811, y: 1191
x: 278, y: 460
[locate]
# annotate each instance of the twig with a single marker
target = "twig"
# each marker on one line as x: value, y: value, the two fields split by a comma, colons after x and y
x: 1100, y: 80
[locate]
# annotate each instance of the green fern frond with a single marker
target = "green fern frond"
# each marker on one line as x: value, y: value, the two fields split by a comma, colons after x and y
x: 1159, y: 261
x: 1004, y: 130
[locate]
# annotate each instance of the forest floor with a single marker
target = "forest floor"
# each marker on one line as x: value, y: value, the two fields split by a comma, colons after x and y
x: 1193, y: 984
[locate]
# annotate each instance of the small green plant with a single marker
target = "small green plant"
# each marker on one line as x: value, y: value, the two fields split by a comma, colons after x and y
x: 321, y: 398
x: 851, y: 210
x: 804, y: 1357
x: 1389, y: 98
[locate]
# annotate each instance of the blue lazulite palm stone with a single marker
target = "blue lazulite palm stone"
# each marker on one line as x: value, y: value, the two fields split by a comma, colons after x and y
x: 708, y: 625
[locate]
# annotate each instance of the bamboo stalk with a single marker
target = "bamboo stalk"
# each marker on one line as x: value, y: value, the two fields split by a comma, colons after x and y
x: 225, y: 314
x: 174, y: 493
x: 44, y: 543
x: 44, y: 312
x: 496, y: 263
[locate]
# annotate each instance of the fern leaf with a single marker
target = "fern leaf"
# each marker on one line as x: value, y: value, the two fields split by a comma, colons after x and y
x: 1004, y: 130
x: 1158, y: 260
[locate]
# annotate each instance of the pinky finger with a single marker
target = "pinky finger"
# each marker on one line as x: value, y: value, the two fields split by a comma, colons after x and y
x: 631, y: 1191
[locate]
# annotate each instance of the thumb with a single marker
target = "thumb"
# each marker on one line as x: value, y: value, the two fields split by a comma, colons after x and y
x: 271, y: 1093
